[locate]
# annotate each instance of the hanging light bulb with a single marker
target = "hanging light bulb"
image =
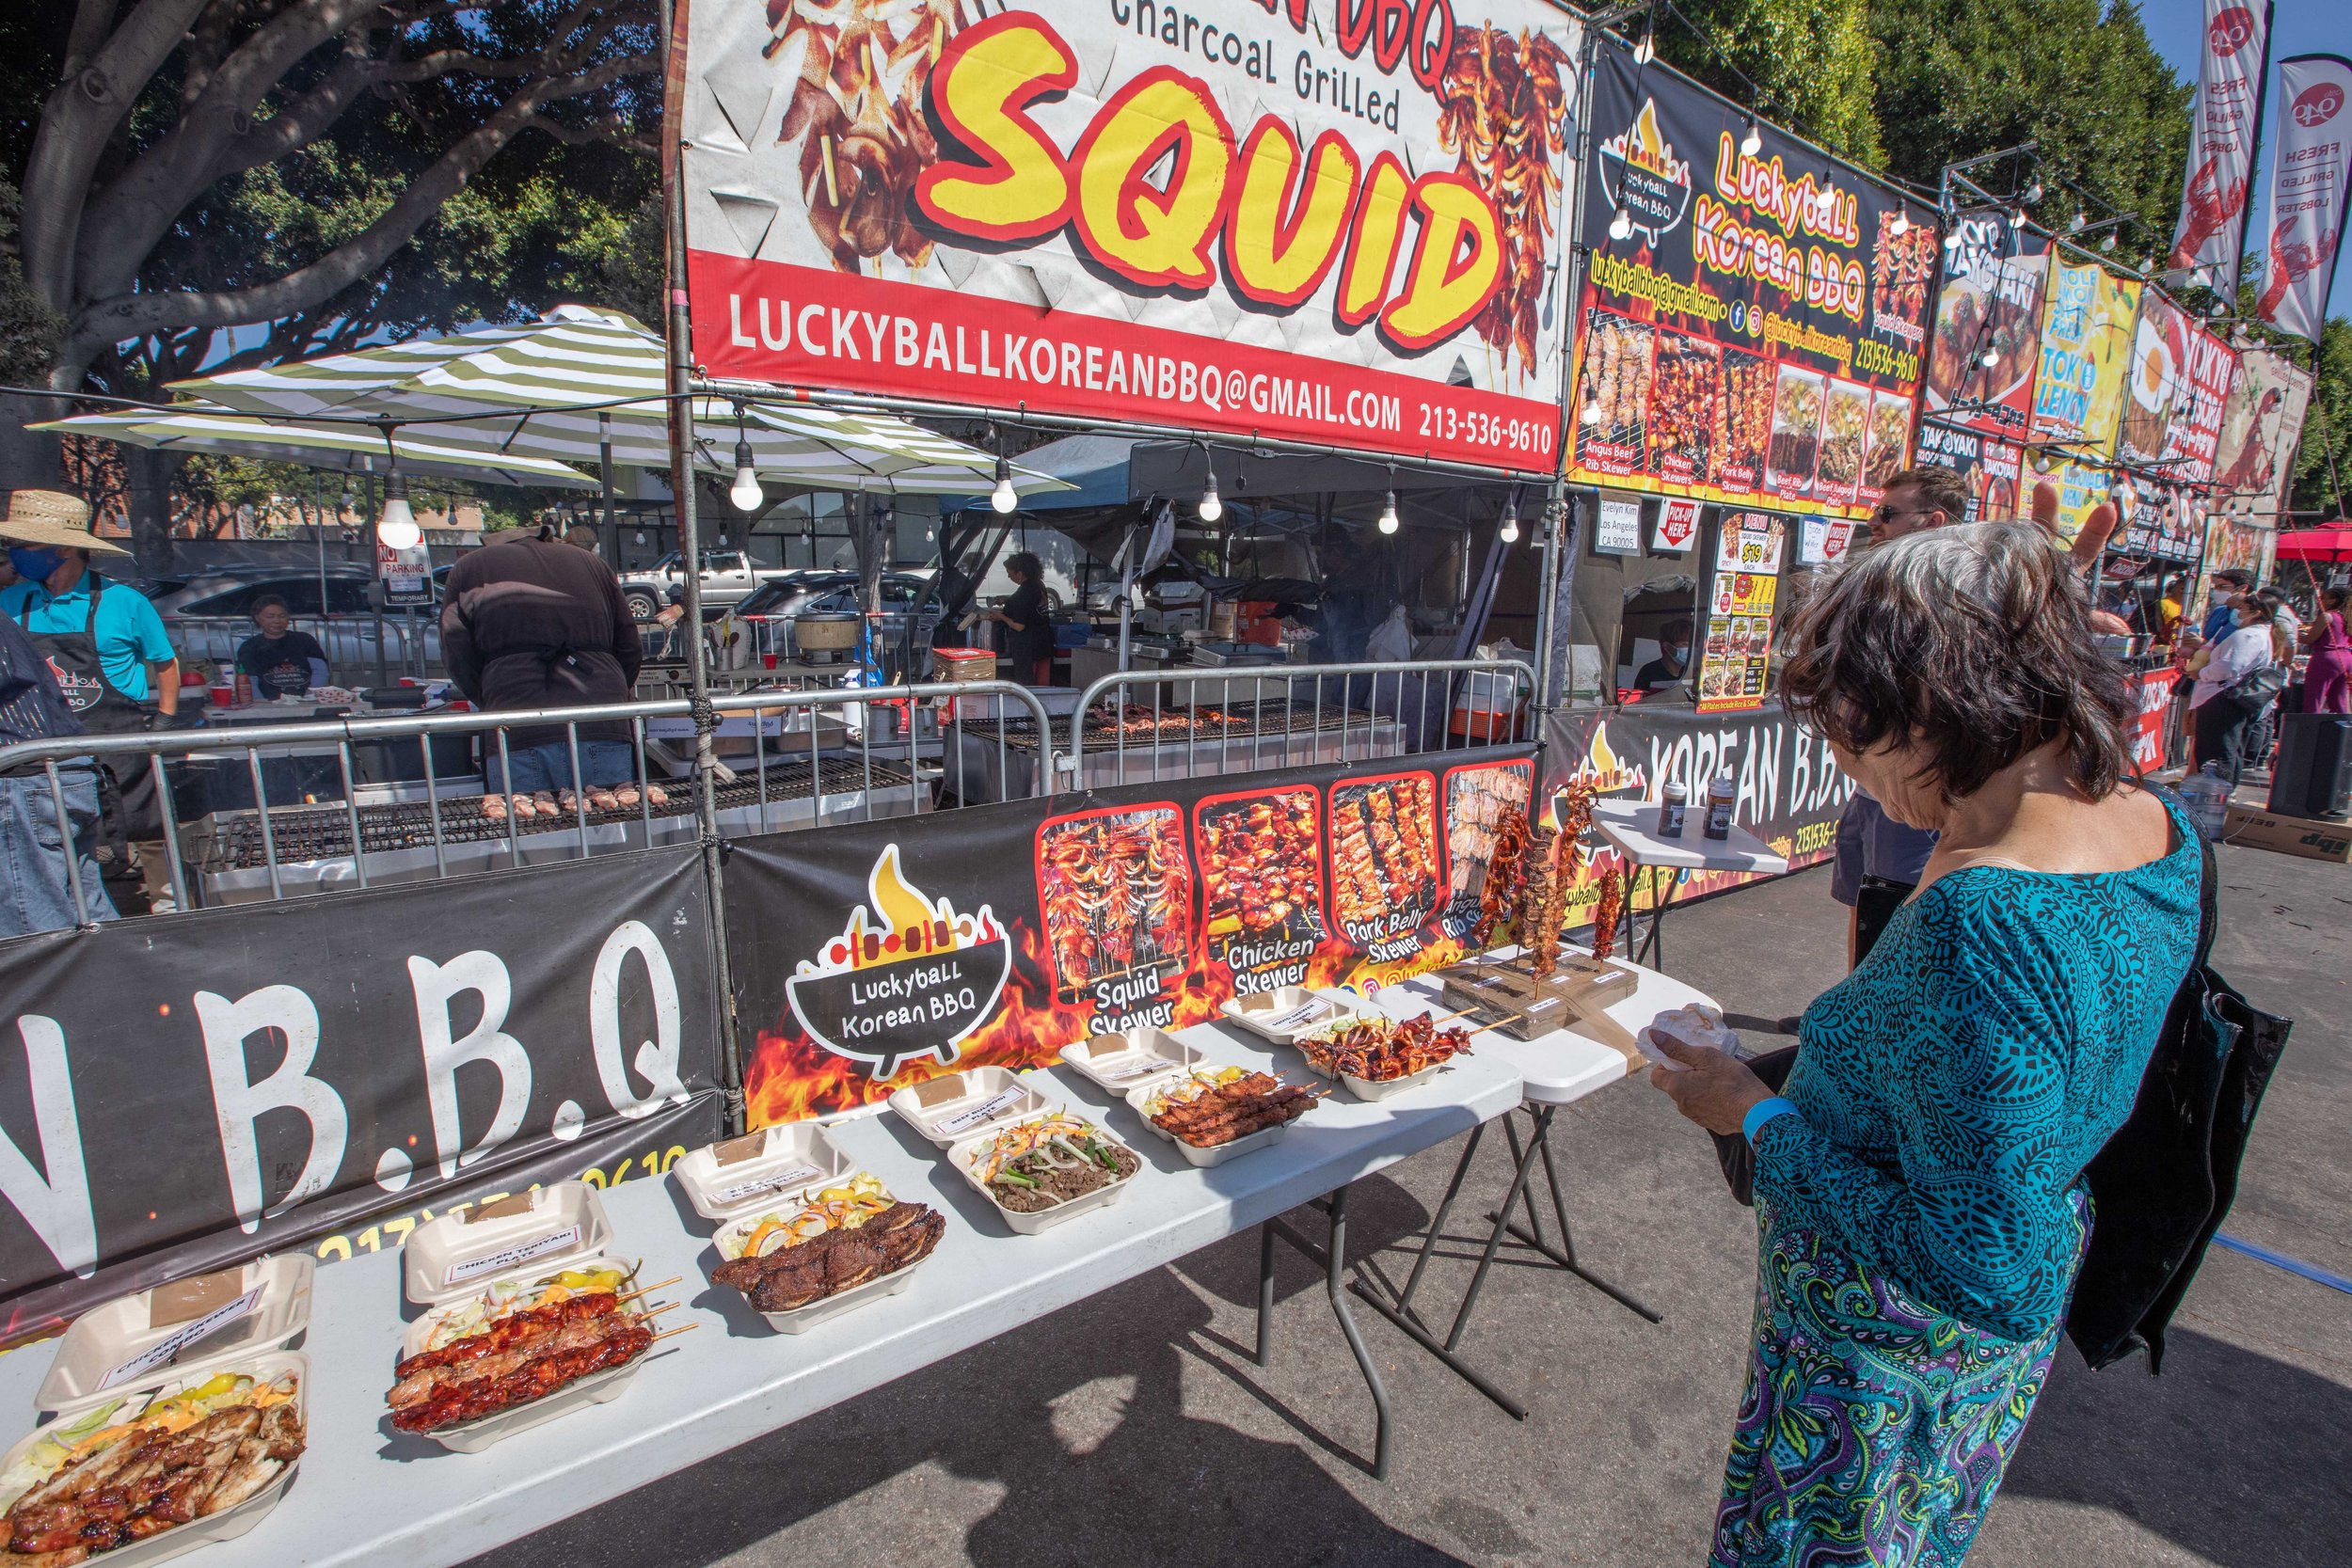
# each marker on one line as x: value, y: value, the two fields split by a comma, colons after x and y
x: 396, y: 525
x: 641, y: 535
x: 1591, y: 415
x: 2080, y: 219
x: 1387, y: 513
x: 1004, y: 498
x: 1509, y: 529
x: 1211, y: 508
x: 745, y: 494
x: 2033, y: 192
x: 1951, y: 240
x: 2017, y: 217
x: 1647, y: 50
x: 1752, y: 143
x: 1989, y: 358
x: 2107, y: 244
x: 1902, y: 225
x: 1620, y: 224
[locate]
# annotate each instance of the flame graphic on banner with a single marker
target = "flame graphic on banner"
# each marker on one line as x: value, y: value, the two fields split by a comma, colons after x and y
x: 899, y: 922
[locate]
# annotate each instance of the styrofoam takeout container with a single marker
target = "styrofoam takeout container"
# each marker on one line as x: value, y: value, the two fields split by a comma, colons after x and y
x: 455, y: 1255
x: 1128, y: 1058
x: 1140, y: 1098
x: 229, y: 1523
x: 111, y: 1336
x: 965, y: 1157
x: 800, y: 1319
x: 596, y: 1388
x: 960, y: 1105
x: 1372, y: 1088
x: 1285, y: 1015
x: 780, y: 1163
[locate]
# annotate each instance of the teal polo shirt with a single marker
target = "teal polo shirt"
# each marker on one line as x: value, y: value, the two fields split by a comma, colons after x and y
x: 130, y: 633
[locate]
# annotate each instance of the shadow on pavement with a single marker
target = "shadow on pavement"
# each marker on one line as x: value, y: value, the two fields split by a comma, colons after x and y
x: 2231, y: 1455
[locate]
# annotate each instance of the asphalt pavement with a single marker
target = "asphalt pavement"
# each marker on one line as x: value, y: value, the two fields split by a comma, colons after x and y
x: 1135, y: 1429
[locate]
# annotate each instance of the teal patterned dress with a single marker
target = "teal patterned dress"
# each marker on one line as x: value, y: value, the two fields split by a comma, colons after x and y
x: 1923, y: 1214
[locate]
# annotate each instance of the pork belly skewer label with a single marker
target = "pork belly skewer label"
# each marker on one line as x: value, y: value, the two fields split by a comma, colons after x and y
x: 1384, y: 864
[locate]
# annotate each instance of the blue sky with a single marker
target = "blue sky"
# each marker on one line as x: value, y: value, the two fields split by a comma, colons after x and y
x: 2297, y: 27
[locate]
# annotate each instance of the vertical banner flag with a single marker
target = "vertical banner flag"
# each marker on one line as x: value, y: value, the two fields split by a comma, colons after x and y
x: 2311, y: 159
x: 1335, y: 221
x: 1754, y: 322
x: 2225, y: 125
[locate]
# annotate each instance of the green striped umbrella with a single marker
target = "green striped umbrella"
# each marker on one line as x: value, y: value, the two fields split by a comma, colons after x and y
x: 518, y: 391
x: 352, y: 449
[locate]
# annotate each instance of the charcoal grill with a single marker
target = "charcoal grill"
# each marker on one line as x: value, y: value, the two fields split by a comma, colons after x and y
x: 1142, y: 727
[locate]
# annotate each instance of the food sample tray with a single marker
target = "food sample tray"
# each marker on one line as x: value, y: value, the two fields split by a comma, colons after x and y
x: 596, y: 1388
x: 188, y: 1325
x: 759, y: 1170
x: 800, y: 1319
x: 528, y: 1234
x: 1289, y: 1013
x: 1129, y: 1058
x: 965, y: 1157
x: 960, y: 1105
x: 229, y: 1522
x: 1216, y: 1154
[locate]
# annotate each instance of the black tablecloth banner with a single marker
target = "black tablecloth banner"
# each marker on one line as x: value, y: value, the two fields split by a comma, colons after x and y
x: 185, y: 1092
x: 1790, y: 788
x: 869, y: 957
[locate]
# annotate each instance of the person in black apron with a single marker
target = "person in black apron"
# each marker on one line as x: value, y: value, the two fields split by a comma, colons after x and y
x: 53, y: 525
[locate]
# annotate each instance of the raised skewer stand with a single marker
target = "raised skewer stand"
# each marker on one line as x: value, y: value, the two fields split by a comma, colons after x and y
x: 1573, y: 1001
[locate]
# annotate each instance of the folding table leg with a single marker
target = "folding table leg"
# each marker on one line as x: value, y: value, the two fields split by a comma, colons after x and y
x: 1564, y: 1255
x: 1436, y: 1225
x: 1266, y: 1291
x: 1333, y: 1257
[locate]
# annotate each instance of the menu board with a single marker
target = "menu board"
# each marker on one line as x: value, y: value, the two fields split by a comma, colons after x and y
x: 1990, y: 310
x: 1760, y: 330
x: 2262, y: 422
x: 2156, y: 380
x: 1992, y: 468
x: 2195, y: 433
x: 2080, y: 487
x: 2086, y: 323
x: 1739, y: 647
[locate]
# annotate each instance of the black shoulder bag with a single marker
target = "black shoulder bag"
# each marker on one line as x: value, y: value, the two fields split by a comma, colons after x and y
x: 2163, y: 1184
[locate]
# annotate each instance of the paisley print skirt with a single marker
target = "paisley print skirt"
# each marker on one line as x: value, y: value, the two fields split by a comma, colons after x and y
x: 1874, y: 1431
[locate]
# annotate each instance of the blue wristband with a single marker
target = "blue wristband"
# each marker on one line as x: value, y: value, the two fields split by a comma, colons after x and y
x: 1762, y: 1112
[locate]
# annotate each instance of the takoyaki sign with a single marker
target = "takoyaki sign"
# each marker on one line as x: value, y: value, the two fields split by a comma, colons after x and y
x: 1326, y: 220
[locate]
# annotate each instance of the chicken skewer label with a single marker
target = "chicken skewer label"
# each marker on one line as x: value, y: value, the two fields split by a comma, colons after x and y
x: 1261, y: 885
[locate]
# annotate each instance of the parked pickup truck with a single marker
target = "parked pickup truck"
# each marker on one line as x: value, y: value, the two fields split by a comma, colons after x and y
x: 729, y: 577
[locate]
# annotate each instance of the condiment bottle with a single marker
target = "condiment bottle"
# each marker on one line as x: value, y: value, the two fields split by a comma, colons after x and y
x: 1719, y: 800
x: 1670, y: 804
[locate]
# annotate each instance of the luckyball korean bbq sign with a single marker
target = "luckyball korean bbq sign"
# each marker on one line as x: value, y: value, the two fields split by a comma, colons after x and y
x: 1332, y: 221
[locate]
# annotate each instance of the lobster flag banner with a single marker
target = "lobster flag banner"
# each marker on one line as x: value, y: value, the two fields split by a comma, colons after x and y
x: 323, y: 1073
x: 2311, y: 163
x: 1754, y: 322
x: 1988, y: 326
x: 2261, y: 425
x: 2225, y: 128
x: 1330, y: 221
x: 880, y: 954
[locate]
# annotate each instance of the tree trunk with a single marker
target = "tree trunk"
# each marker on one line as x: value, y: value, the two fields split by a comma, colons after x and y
x: 151, y: 476
x: 29, y: 459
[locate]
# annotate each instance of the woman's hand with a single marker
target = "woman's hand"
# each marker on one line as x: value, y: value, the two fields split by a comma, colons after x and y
x: 1712, y: 1089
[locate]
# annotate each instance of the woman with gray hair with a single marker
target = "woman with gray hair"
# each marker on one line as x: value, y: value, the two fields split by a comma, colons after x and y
x: 1918, y: 1180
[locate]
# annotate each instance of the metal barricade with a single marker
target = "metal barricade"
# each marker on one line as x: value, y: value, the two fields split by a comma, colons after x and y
x: 437, y: 825
x: 1242, y: 720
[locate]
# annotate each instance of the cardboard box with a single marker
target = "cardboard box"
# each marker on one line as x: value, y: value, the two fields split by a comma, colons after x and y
x: 2309, y: 837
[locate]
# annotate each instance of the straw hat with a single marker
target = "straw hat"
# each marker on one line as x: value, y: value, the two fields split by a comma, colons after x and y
x: 52, y: 517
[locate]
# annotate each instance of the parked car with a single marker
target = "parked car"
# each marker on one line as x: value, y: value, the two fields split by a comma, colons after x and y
x: 728, y: 577
x: 766, y: 617
x: 210, y: 616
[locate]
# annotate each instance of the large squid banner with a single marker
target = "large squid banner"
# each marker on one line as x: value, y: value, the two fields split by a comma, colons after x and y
x: 873, y: 956
x: 1336, y: 221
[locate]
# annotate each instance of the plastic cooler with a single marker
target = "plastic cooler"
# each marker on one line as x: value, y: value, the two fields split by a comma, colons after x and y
x: 1488, y: 708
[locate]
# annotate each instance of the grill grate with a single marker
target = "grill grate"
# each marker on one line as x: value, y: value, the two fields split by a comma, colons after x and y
x: 1139, y: 726
x: 233, y: 842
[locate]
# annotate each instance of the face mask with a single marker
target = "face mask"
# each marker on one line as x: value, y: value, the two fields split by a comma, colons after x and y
x: 1674, y: 658
x: 35, y: 565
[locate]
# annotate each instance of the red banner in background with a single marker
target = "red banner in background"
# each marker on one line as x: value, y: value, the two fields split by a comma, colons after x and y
x: 2154, y: 688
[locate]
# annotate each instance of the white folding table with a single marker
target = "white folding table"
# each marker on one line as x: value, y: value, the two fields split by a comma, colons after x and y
x: 1554, y: 1069
x: 367, y: 1495
x: 1632, y: 829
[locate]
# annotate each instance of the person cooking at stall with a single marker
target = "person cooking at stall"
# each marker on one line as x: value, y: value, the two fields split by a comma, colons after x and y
x: 280, y: 660
x: 1028, y: 635
x: 114, y: 663
x: 1673, y: 664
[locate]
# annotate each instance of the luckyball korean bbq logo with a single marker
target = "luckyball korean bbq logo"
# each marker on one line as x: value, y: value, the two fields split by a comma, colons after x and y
x: 1644, y: 177
x: 908, y: 976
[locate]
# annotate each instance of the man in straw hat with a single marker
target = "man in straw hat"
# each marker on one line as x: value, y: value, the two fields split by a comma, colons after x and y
x: 112, y: 659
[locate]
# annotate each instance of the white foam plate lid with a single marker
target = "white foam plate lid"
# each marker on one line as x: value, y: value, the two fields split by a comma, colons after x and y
x: 1128, y: 1058
x: 456, y: 1254
x: 1215, y: 1154
x: 959, y: 1105
x: 760, y: 1169
x: 1282, y: 1015
x: 114, y: 1345
x: 421, y: 1331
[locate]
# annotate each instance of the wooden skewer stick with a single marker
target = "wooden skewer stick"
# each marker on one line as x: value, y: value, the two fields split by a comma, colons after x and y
x: 648, y: 1290
x: 656, y: 1312
x: 672, y: 1333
